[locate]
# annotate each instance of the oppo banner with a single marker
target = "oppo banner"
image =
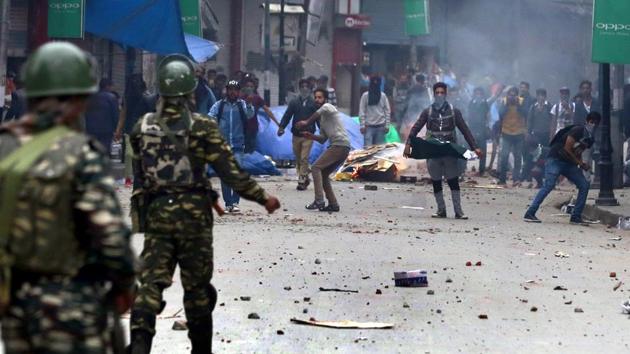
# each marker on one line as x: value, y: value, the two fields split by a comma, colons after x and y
x: 65, y: 18
x: 191, y: 16
x: 611, y: 31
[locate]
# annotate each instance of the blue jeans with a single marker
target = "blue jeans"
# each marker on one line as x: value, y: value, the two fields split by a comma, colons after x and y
x: 230, y: 197
x: 374, y: 135
x: 553, y: 169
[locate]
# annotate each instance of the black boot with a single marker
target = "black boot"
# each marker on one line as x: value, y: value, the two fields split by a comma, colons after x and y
x: 140, y: 342
x: 200, y: 335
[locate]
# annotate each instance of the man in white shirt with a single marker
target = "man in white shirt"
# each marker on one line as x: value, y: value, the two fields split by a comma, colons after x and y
x: 374, y: 114
x: 330, y: 128
x: 562, y: 112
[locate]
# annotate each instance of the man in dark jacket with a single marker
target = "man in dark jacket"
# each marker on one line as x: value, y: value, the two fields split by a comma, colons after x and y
x: 101, y: 116
x: 479, y: 120
x: 300, y: 108
x: 565, y: 158
x: 538, y: 130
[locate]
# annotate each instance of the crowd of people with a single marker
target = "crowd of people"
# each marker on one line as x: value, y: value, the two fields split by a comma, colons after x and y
x: 67, y: 269
x: 518, y: 124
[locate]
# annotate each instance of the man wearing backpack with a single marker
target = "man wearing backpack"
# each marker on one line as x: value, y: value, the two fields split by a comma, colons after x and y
x: 232, y: 114
x: 565, y: 158
x: 65, y: 260
x: 171, y: 202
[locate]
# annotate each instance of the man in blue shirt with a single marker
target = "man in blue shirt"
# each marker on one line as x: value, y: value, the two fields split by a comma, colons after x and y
x: 231, y: 113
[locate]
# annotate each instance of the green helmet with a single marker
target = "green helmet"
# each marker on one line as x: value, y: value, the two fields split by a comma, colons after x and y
x: 59, y: 69
x: 176, y: 76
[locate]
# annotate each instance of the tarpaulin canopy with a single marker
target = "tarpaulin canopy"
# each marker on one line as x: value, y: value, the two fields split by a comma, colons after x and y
x: 280, y: 148
x: 152, y: 25
x: 200, y: 49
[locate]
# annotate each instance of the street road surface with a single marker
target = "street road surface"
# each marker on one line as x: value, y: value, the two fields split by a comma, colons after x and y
x: 280, y: 260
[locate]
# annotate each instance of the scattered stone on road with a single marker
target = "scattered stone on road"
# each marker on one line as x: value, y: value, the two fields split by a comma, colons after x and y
x: 180, y: 326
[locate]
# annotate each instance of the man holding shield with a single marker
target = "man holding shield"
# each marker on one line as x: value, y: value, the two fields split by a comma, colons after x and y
x: 441, y: 119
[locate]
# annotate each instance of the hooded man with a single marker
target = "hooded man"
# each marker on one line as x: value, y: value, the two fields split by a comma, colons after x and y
x: 374, y: 114
x: 442, y: 119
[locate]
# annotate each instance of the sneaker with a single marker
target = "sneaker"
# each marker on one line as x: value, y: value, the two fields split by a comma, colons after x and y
x: 531, y: 218
x: 300, y: 187
x: 578, y: 221
x: 461, y: 217
x: 235, y: 209
x: 516, y: 184
x: 330, y: 208
x: 584, y: 221
x: 228, y: 209
x: 441, y: 214
x: 316, y: 205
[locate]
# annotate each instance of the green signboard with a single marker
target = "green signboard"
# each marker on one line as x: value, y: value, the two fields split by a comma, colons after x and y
x: 611, y: 31
x: 191, y: 16
x: 417, y: 17
x: 65, y: 18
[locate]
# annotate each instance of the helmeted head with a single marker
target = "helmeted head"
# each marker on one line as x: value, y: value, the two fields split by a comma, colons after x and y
x: 59, y: 69
x: 176, y: 76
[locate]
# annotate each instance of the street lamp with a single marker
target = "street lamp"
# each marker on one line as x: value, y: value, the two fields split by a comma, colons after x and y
x: 606, y: 193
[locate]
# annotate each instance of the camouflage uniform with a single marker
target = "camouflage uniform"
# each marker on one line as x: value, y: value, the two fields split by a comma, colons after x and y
x: 178, y: 227
x: 67, y: 203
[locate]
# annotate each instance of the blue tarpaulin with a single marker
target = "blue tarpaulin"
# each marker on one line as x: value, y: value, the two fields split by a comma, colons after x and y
x: 280, y: 148
x: 151, y: 25
x: 200, y: 49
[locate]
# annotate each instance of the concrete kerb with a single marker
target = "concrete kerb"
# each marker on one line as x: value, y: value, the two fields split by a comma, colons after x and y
x: 593, y: 212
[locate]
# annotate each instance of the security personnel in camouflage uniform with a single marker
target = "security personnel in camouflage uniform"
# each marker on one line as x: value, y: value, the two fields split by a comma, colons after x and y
x: 65, y: 257
x: 173, y: 199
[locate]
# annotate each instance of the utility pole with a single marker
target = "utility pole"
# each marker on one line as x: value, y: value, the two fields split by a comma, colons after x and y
x: 413, y: 52
x: 267, y: 37
x: 606, y: 193
x: 281, y: 74
x: 4, y: 40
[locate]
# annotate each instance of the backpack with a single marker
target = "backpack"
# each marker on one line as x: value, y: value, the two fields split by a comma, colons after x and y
x: 166, y: 163
x: 37, y: 182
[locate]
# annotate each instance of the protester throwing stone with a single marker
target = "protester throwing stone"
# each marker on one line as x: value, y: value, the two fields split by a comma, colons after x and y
x: 565, y: 158
x: 330, y: 128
